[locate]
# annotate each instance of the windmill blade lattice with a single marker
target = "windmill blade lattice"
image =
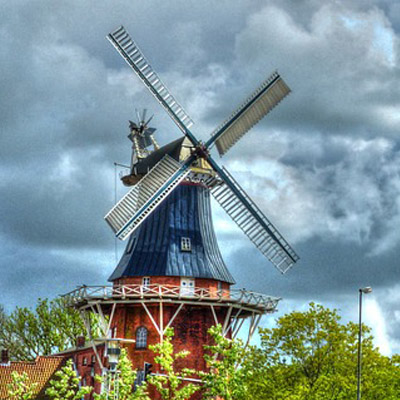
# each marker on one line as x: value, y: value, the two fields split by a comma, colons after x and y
x: 125, y: 45
x: 255, y: 224
x: 157, y: 184
x: 259, y: 104
x: 145, y: 196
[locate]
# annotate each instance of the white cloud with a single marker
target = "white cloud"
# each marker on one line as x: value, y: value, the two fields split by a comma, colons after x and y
x: 375, y: 318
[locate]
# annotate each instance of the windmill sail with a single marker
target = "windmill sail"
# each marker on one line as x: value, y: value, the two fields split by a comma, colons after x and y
x: 259, y: 104
x: 254, y: 224
x: 145, y: 196
x: 128, y: 49
x: 157, y: 184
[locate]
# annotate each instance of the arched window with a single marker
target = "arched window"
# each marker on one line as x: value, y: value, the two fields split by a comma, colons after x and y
x: 141, y: 338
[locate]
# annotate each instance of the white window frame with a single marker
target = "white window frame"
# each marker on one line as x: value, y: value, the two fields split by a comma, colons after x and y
x: 186, y: 244
x: 187, y: 286
x: 142, y: 339
x: 146, y: 281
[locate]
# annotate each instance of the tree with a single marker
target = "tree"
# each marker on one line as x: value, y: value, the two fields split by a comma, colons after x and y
x: 171, y: 386
x: 312, y: 356
x: 225, y: 378
x: 122, y: 382
x: 52, y: 327
x: 20, y: 388
x: 67, y: 385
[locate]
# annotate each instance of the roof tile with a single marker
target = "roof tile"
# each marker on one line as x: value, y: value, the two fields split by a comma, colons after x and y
x: 39, y: 371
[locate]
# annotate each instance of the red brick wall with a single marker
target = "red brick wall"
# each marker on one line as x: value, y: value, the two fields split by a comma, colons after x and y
x: 88, y: 366
x: 190, y: 326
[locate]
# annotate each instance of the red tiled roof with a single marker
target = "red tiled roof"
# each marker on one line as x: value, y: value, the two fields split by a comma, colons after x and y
x: 39, y: 371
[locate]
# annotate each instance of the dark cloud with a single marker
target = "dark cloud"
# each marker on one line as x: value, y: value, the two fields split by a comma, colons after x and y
x: 324, y: 165
x: 32, y: 272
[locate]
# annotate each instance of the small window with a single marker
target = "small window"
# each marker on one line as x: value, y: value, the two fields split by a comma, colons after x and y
x: 187, y: 286
x: 84, y: 361
x: 93, y: 360
x: 219, y: 286
x: 186, y: 244
x: 146, y: 282
x: 141, y: 338
x: 84, y: 381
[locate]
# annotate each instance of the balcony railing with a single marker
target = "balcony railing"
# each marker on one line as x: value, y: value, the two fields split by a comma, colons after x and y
x: 85, y: 294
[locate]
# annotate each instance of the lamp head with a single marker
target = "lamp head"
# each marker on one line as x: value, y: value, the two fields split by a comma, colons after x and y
x: 366, y: 290
x: 113, y: 353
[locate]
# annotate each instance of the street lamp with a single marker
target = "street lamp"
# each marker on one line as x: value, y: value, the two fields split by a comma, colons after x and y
x: 113, y: 353
x: 361, y: 291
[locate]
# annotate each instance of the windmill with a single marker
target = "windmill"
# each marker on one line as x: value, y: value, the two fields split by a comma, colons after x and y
x: 157, y: 180
x: 172, y: 273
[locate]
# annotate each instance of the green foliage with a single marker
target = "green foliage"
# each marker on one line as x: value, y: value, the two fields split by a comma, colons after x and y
x: 66, y: 386
x: 309, y: 355
x: 171, y: 386
x: 52, y: 327
x: 225, y: 377
x: 312, y: 356
x: 20, y: 388
x: 122, y: 382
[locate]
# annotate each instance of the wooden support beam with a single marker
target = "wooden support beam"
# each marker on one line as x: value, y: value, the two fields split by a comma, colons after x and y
x: 89, y: 332
x: 174, y: 316
x: 214, y: 314
x: 234, y: 320
x: 250, y: 329
x: 227, y: 319
x: 111, y: 317
x: 237, y: 328
x: 161, y: 322
x: 152, y: 319
x: 102, y: 319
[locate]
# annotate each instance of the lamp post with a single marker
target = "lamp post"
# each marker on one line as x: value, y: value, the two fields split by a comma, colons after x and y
x: 361, y: 291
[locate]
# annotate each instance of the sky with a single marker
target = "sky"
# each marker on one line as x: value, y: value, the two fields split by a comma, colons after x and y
x: 324, y: 165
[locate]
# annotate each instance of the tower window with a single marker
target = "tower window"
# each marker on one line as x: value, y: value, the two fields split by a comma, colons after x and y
x: 141, y: 338
x: 187, y: 286
x: 146, y: 282
x: 186, y: 244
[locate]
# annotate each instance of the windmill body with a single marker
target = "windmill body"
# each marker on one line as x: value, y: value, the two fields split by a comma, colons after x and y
x: 171, y: 273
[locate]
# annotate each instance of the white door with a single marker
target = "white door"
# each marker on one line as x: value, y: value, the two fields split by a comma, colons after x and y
x: 187, y: 287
